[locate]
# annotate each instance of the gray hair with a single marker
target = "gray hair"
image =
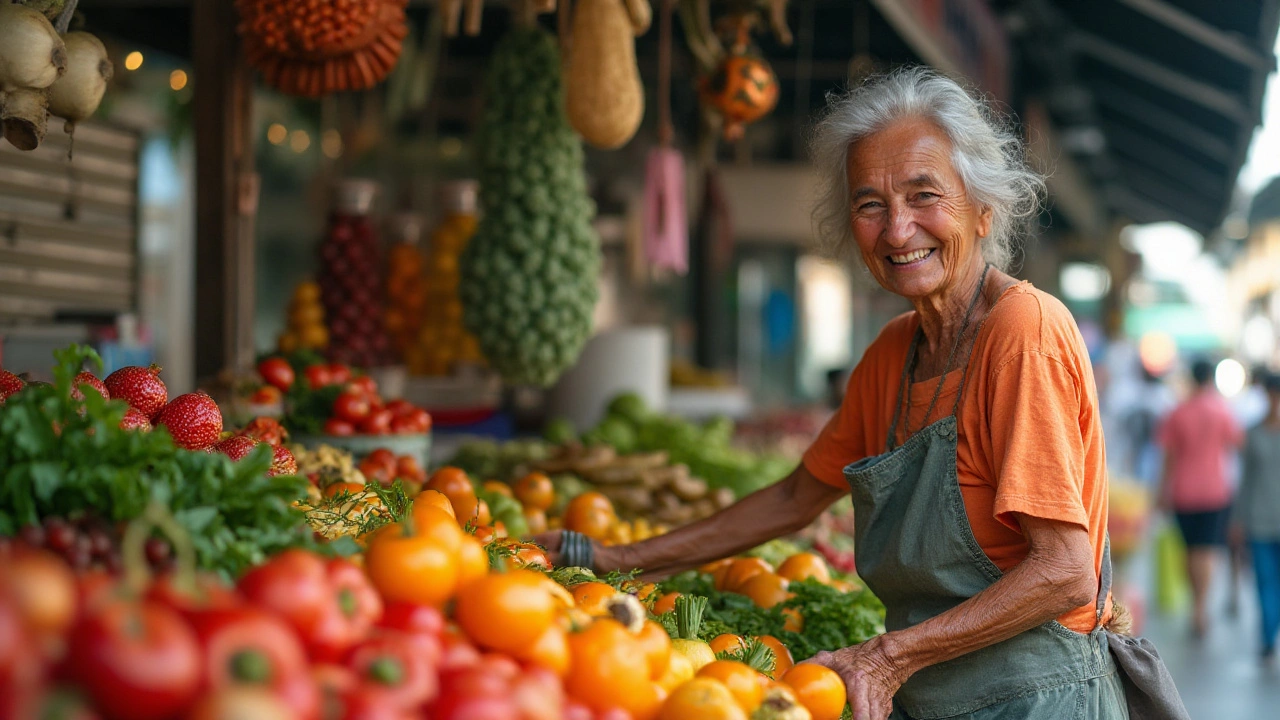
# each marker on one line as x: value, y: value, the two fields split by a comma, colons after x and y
x: 987, y: 154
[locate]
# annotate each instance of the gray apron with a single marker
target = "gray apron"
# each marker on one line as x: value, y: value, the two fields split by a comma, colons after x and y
x: 915, y: 549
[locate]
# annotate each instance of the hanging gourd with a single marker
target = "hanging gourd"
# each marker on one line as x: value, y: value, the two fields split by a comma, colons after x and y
x: 311, y: 49
x: 743, y: 87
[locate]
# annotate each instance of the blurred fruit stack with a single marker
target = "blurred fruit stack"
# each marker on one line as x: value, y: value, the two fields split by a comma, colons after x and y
x: 350, y: 279
x: 406, y: 285
x: 305, y: 328
x: 442, y: 341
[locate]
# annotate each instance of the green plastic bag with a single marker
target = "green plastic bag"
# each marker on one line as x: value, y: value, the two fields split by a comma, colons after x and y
x: 1173, y: 589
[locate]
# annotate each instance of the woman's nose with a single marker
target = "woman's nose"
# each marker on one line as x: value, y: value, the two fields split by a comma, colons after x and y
x: 901, y: 226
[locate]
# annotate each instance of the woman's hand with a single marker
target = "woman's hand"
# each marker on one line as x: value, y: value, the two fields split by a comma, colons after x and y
x: 871, y: 677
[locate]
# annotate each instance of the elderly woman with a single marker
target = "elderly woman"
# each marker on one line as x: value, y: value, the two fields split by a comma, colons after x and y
x: 969, y: 434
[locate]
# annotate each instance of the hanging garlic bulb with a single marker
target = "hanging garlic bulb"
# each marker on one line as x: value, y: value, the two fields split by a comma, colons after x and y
x: 32, y: 57
x: 76, y: 95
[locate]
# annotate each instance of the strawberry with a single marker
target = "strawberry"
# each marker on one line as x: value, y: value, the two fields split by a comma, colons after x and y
x: 134, y: 420
x: 193, y: 420
x: 9, y: 384
x: 236, y: 447
x: 283, y: 463
x: 141, y: 387
x: 88, y: 378
x: 268, y: 430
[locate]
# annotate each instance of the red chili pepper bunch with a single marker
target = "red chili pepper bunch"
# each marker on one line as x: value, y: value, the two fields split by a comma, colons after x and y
x: 315, y: 47
x: 301, y: 636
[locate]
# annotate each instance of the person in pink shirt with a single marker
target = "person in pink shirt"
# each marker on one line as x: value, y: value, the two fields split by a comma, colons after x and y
x: 1197, y: 438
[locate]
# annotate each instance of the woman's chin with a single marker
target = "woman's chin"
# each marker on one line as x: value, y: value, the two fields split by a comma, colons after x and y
x: 911, y: 282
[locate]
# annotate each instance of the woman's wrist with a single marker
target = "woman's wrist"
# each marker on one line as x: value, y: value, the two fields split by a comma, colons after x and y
x: 613, y: 557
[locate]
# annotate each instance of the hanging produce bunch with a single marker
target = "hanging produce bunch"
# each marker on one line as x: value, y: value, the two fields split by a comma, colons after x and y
x: 316, y: 48
x: 604, y: 95
x: 529, y: 275
x: 743, y: 88
x: 43, y: 72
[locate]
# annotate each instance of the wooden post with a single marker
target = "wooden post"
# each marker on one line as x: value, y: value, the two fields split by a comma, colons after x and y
x: 226, y: 193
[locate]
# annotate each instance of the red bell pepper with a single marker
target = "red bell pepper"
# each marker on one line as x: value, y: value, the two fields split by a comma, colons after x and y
x: 403, y: 665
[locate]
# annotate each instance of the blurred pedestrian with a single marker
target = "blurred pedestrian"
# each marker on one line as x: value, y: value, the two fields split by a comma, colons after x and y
x: 1250, y: 408
x: 1197, y: 438
x: 1257, y: 511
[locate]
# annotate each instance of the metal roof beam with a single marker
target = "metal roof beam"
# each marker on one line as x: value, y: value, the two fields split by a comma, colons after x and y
x: 1163, y: 77
x: 1162, y: 120
x: 1228, y: 44
x: 1146, y: 211
x: 1130, y: 144
x: 1155, y: 185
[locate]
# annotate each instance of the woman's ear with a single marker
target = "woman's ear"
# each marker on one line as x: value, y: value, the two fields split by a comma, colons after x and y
x: 984, y: 222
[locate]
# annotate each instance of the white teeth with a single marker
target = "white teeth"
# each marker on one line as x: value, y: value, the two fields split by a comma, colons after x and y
x: 905, y: 258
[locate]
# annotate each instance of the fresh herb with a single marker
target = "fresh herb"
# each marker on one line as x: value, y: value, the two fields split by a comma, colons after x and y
x: 61, y: 457
x: 307, y: 410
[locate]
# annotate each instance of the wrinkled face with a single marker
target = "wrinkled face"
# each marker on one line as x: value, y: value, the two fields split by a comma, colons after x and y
x: 912, y: 219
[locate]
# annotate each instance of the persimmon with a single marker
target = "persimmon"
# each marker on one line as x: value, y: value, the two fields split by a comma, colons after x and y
x: 535, y: 491
x: 429, y: 520
x: 765, y: 590
x: 473, y: 561
x: 726, y: 642
x: 666, y: 603
x: 820, y: 689
x: 805, y: 566
x: 434, y: 498
x: 742, y: 570
x: 745, y: 683
x: 454, y: 484
x: 702, y: 699
x: 656, y: 644
x: 608, y: 669
x: 505, y: 611
x: 782, y: 660
x: 590, y: 597
x: 590, y: 514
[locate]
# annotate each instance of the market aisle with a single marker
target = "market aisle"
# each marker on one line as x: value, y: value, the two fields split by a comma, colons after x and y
x: 1220, y: 678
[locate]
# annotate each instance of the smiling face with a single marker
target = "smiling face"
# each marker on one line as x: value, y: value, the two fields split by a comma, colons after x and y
x: 912, y: 219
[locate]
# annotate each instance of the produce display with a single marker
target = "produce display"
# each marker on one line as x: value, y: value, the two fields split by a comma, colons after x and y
x: 406, y: 287
x: 332, y: 399
x: 304, y: 328
x: 139, y: 580
x: 313, y: 49
x: 529, y: 276
x: 443, y: 342
x: 350, y: 279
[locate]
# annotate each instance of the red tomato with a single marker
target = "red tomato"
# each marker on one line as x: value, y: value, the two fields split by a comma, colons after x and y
x: 277, y: 372
x: 341, y: 428
x: 339, y: 374
x: 411, y: 618
x: 475, y: 693
x: 397, y: 663
x: 329, y: 603
x: 407, y: 467
x: 318, y: 376
x: 421, y: 419
x: 363, y: 384
x: 350, y: 406
x: 377, y: 423
x: 382, y: 456
x: 265, y: 395
x: 136, y: 660
x: 400, y: 407
x: 403, y: 426
x: 210, y: 592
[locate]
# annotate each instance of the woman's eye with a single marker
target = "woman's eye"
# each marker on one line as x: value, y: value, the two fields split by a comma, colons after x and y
x: 872, y: 205
x: 926, y: 196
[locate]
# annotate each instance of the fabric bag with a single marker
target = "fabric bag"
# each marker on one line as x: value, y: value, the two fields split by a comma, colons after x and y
x: 1172, y: 586
x: 1148, y: 687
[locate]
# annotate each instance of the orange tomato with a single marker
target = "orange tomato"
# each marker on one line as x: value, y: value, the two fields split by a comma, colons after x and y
x: 591, y: 597
x: 550, y: 650
x: 765, y: 590
x: 727, y: 642
x: 430, y: 521
x: 498, y: 488
x: 535, y: 491
x: 528, y: 554
x: 746, y: 684
x: 434, y: 498
x: 795, y: 621
x: 505, y: 611
x: 453, y: 484
x: 666, y: 603
x: 818, y: 688
x: 644, y: 592
x: 411, y: 568
x: 536, y: 520
x: 484, y: 533
x: 608, y: 669
x: 590, y: 514
x: 473, y: 561
x: 702, y: 699
x: 782, y: 660
x: 711, y: 567
x: 657, y: 648
x: 805, y: 566
x: 742, y: 570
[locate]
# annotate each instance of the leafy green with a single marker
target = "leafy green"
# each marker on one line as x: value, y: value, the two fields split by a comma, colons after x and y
x: 307, y: 410
x: 64, y: 457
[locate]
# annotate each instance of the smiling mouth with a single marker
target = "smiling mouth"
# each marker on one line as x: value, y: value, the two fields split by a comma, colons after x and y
x: 911, y: 257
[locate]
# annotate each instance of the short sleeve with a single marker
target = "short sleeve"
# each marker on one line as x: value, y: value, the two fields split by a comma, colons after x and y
x: 1038, y: 447
x: 841, y: 440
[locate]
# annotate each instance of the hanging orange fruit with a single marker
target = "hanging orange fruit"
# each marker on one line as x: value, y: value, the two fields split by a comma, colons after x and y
x: 743, y: 88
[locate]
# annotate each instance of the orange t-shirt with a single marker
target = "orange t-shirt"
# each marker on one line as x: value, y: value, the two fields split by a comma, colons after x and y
x: 1029, y: 434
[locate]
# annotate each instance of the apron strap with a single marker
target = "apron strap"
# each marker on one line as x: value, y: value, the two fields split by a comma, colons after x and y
x: 902, y: 387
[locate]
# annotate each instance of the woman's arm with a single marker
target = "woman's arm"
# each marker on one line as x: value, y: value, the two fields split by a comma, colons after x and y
x: 1057, y: 576
x: 774, y: 511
